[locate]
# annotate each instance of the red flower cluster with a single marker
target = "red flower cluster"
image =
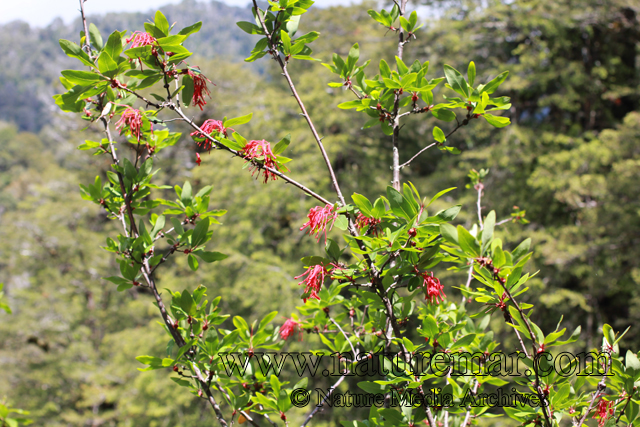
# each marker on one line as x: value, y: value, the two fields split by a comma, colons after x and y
x: 261, y: 150
x: 363, y: 221
x: 208, y: 127
x: 603, y: 410
x: 434, y: 291
x: 199, y: 88
x: 132, y: 119
x: 140, y: 38
x: 314, y: 280
x: 319, y: 219
x: 289, y: 328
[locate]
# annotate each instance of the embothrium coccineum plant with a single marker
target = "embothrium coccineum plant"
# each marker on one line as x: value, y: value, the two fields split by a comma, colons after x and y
x: 364, y: 291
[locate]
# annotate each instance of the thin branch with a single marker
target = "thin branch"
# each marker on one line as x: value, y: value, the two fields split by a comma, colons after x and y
x: 480, y: 187
x: 276, y: 172
x: 355, y: 355
x: 504, y: 221
x: 228, y: 399
x: 468, y: 414
x: 602, y: 386
x: 326, y: 397
x: 87, y: 41
x: 285, y: 73
x: 405, y: 164
x: 396, y: 108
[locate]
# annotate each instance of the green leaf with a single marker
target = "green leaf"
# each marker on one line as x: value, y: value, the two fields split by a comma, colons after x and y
x: 211, y: 256
x: 438, y: 135
x: 75, y: 51
x: 286, y: 42
x: 107, y: 65
x: 609, y: 335
x: 496, y: 121
x: 352, y: 58
x: 631, y: 361
x: 449, y: 233
x: 94, y: 35
x: 440, y: 194
x: 449, y: 214
x: 491, y: 87
x: 444, y: 115
x: 193, y: 262
x: 83, y: 78
x: 430, y: 326
x: 200, y: 232
x: 149, y: 360
x: 185, y: 195
x: 463, y: 342
x: 521, y: 250
x: 471, y: 73
x: 456, y: 81
x: 161, y: 23
x: 385, y: 71
x: 114, y: 44
x: 363, y: 204
x: 402, y: 68
x: 187, y: 304
x: 399, y: 205
x: 187, y: 92
x: 282, y: 144
x: 238, y: 120
x: 249, y: 28
x: 468, y: 243
x: 191, y: 29
x: 487, y: 232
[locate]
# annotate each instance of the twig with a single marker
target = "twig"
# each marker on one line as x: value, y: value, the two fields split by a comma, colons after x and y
x: 326, y: 397
x: 405, y: 164
x: 602, y: 386
x: 285, y: 73
x: 396, y: 107
x: 355, y: 355
x: 480, y: 187
x: 87, y: 42
x: 468, y: 414
x: 504, y: 221
x: 237, y: 153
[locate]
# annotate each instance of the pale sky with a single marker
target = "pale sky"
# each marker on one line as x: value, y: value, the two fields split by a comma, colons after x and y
x: 42, y: 12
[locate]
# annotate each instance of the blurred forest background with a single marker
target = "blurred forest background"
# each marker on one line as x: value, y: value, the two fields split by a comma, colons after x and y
x: 571, y: 159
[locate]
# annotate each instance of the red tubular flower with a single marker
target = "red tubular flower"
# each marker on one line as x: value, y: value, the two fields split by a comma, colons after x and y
x: 319, y: 219
x: 198, y: 159
x: 261, y: 150
x: 208, y: 127
x: 289, y: 328
x: 132, y: 119
x: 140, y: 38
x: 364, y: 221
x: 434, y: 291
x: 603, y: 410
x: 314, y: 280
x: 199, y: 88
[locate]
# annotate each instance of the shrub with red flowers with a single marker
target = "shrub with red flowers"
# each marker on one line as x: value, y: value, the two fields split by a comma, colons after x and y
x: 361, y: 294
